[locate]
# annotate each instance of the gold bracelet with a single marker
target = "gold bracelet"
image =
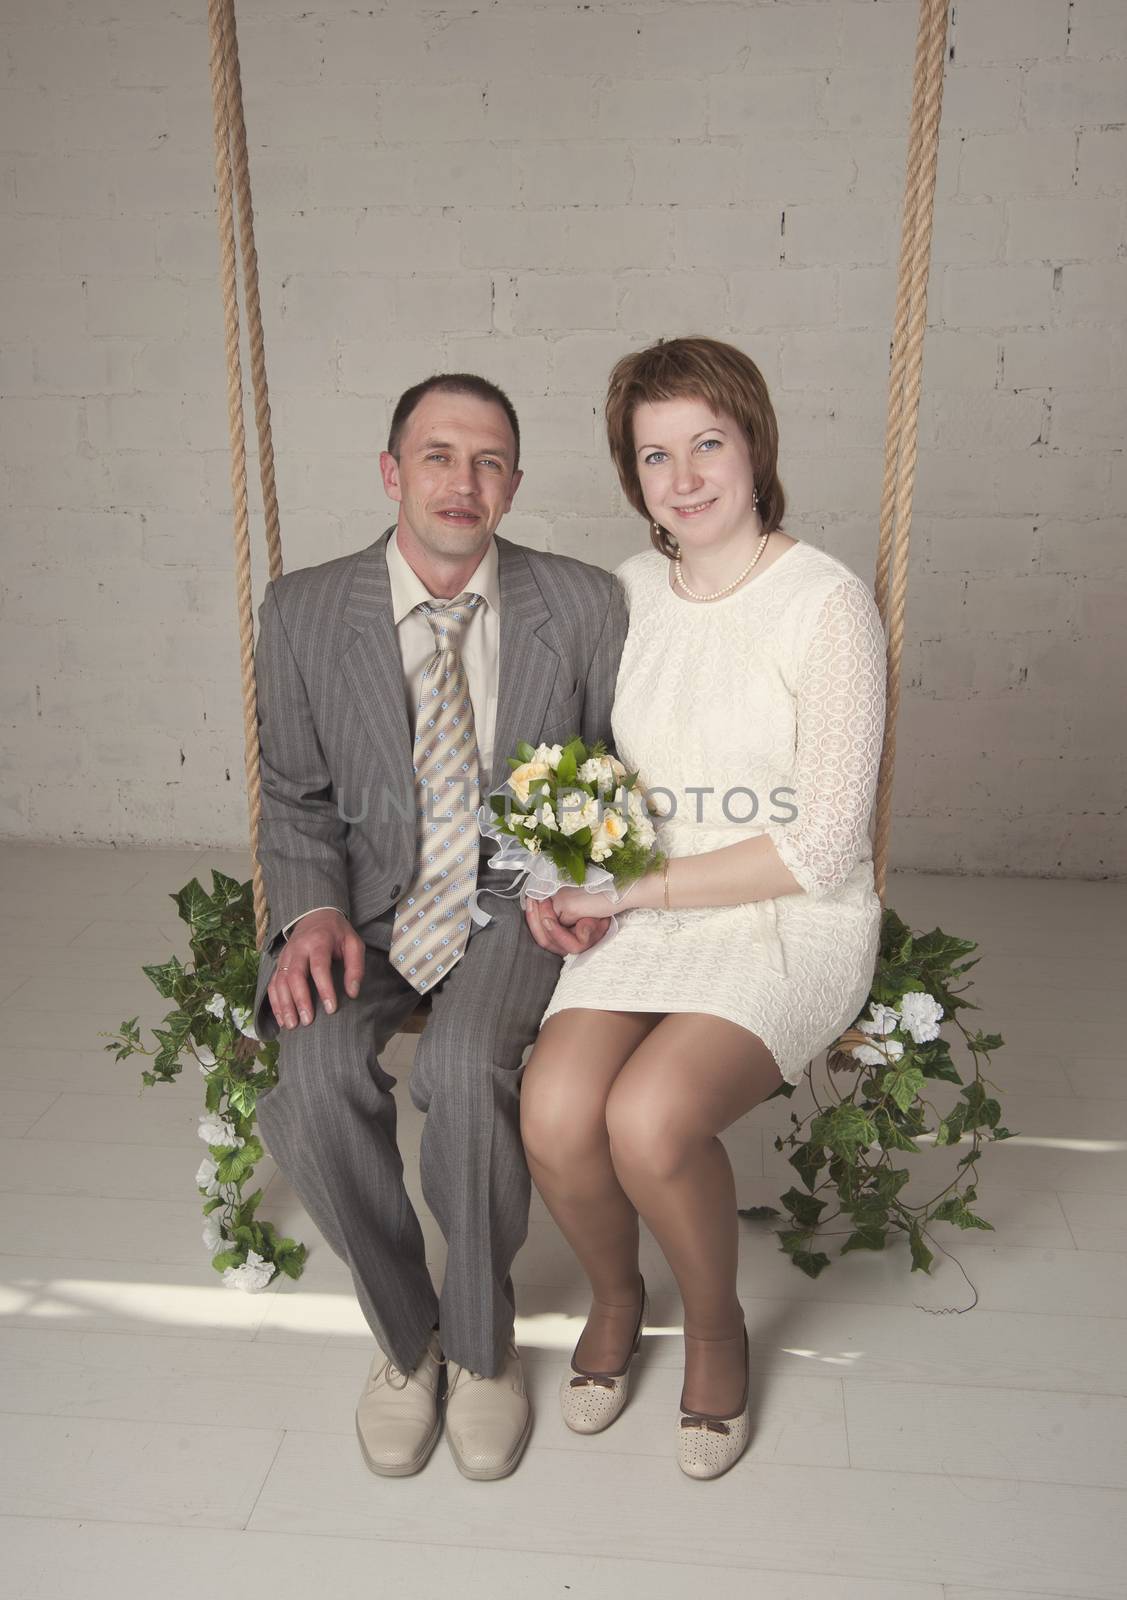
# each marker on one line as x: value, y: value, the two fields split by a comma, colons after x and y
x: 665, y: 881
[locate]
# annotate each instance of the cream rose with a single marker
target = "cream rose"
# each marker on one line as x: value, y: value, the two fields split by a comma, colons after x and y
x: 521, y: 777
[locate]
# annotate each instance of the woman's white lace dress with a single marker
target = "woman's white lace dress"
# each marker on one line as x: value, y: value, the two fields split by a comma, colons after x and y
x: 762, y: 712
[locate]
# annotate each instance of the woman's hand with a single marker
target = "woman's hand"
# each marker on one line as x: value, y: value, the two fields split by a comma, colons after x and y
x: 572, y: 904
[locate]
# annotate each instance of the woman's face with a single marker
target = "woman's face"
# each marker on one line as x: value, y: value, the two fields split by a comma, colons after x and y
x: 695, y: 471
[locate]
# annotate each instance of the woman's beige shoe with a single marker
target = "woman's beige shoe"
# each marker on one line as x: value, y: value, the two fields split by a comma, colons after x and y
x: 707, y: 1446
x: 590, y: 1401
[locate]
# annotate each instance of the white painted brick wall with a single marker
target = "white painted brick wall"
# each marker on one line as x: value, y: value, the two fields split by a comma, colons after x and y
x: 528, y: 188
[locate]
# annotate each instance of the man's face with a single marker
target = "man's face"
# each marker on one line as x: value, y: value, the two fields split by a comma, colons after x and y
x: 455, y: 477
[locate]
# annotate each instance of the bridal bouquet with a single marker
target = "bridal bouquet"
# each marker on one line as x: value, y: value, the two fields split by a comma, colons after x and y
x: 569, y: 814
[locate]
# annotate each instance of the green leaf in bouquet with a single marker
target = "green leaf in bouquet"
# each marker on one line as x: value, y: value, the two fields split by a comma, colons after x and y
x: 569, y: 859
x: 525, y: 752
x: 568, y: 770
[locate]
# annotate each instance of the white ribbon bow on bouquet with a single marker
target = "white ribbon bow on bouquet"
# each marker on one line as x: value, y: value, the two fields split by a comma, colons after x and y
x: 539, y: 878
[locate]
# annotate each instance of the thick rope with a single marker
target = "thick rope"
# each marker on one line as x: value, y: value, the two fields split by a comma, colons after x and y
x: 238, y: 135
x: 237, y: 431
x: 901, y: 443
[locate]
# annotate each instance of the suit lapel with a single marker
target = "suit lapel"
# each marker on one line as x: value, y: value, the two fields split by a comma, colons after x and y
x: 528, y: 665
x: 372, y: 665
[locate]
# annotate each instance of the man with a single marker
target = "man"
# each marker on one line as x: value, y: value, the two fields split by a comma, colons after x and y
x: 392, y: 686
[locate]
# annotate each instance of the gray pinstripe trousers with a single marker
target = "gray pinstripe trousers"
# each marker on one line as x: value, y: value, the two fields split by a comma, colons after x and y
x: 330, y: 1125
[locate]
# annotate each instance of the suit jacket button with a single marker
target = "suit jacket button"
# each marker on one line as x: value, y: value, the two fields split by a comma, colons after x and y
x: 396, y: 890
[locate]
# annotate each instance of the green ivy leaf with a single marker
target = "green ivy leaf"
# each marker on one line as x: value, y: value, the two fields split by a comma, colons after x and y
x: 921, y: 1255
x: 758, y: 1213
x: 903, y: 1084
x: 243, y: 1097
x: 805, y: 1208
x: 808, y: 1160
x: 165, y: 977
x: 865, y: 1239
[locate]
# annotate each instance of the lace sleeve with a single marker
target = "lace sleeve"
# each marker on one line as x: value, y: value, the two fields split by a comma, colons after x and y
x: 840, y: 731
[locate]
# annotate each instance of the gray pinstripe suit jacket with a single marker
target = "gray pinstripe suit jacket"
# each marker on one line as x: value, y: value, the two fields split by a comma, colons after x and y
x: 338, y: 809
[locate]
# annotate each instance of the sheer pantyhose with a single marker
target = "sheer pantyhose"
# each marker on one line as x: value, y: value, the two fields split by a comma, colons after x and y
x: 620, y: 1113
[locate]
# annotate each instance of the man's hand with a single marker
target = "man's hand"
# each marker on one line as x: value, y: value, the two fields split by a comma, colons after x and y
x: 309, y: 953
x: 550, y: 933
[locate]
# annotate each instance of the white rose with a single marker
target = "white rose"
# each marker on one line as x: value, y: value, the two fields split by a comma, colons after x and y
x: 213, y: 1130
x: 639, y: 815
x: 253, y: 1275
x: 578, y: 811
x: 216, y: 1005
x: 521, y: 777
x: 921, y: 1013
x: 205, y: 1177
x: 241, y: 1017
x: 884, y: 1020
x: 548, y: 753
x: 604, y: 771
x: 880, y: 1055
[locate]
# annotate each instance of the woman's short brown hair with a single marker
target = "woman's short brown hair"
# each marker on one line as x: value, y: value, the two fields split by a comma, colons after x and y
x: 695, y: 368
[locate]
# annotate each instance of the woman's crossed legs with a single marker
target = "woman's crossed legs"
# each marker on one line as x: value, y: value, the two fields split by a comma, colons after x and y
x: 620, y: 1113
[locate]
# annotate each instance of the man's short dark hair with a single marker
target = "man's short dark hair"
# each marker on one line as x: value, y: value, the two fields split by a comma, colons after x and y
x: 451, y: 383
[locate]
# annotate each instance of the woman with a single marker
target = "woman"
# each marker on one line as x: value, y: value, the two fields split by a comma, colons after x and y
x: 751, y: 697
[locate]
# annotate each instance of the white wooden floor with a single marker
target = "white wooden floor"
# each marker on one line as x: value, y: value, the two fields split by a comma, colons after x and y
x: 159, y: 1431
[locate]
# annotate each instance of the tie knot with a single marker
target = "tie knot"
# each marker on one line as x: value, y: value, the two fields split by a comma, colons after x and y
x: 449, y: 622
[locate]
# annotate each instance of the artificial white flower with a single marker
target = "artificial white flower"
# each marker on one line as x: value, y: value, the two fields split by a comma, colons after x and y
x: 871, y: 1055
x: 241, y: 1017
x: 609, y: 835
x: 549, y: 753
x: 213, y: 1130
x: 545, y: 816
x: 921, y: 1013
x: 534, y: 846
x: 205, y: 1177
x: 521, y: 777
x: 578, y: 811
x: 213, y: 1236
x: 216, y: 1006
x: 253, y: 1275
x: 884, y: 1020
x: 604, y: 771
x: 206, y: 1058
x: 639, y: 813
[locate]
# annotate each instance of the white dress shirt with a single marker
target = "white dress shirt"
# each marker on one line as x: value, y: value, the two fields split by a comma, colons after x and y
x: 481, y: 650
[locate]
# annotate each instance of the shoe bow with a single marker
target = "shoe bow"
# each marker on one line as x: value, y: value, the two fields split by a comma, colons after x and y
x: 708, y: 1424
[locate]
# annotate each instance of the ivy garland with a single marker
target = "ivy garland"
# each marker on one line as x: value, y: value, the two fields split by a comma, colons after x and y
x: 881, y: 1070
x: 212, y: 1026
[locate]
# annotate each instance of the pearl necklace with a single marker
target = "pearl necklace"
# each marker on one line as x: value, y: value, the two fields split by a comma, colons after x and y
x: 735, y: 581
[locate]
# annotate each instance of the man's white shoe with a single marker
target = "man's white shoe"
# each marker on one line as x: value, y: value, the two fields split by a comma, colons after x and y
x: 398, y: 1420
x: 488, y: 1420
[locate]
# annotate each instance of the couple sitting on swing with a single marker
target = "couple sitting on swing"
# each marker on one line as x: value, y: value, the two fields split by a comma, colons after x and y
x: 727, y: 660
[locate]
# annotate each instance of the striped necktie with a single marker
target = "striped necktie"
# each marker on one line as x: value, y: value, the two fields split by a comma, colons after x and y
x: 432, y: 919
